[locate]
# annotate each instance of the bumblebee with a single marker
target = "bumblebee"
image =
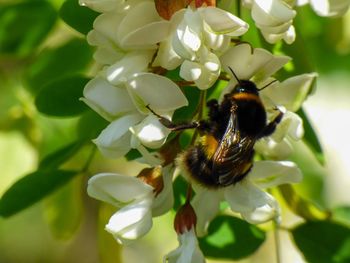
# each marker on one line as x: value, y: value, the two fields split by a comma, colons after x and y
x: 225, y: 151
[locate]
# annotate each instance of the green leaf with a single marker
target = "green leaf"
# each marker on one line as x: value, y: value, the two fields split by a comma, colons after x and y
x: 132, y: 155
x: 90, y: 125
x: 78, y: 17
x: 61, y: 97
x: 60, y: 156
x: 310, y: 137
x: 64, y: 210
x: 71, y: 58
x: 24, y: 26
x: 342, y: 214
x: 230, y: 238
x: 323, y: 242
x: 31, y: 189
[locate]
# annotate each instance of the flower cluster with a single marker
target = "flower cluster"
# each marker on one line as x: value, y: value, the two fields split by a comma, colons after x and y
x: 274, y: 18
x: 136, y: 48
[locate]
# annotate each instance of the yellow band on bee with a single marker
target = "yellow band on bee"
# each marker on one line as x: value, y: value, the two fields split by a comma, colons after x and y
x: 246, y: 96
x: 210, y: 144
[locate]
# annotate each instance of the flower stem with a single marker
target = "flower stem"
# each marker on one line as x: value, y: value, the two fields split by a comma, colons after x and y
x: 189, y: 194
x: 198, y: 114
x: 238, y: 8
x: 277, y: 242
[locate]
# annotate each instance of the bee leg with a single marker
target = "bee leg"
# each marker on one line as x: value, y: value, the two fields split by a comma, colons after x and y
x: 173, y: 126
x: 271, y: 127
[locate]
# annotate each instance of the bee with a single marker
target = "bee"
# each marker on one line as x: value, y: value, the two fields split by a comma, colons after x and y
x: 224, y: 154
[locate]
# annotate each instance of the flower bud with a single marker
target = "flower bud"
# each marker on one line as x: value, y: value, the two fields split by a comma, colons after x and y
x: 185, y: 219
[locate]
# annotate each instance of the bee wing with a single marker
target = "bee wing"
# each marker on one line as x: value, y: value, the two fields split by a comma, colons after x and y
x: 232, y: 154
x: 229, y: 142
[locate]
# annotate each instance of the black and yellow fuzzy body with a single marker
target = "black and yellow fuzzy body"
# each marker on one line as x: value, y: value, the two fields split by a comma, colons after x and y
x: 225, y: 151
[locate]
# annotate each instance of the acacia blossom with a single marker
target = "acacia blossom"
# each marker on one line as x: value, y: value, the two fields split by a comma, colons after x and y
x: 125, y: 26
x: 136, y: 202
x: 120, y: 94
x: 195, y: 39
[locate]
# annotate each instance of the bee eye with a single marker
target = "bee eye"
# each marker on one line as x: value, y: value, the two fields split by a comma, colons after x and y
x: 239, y: 89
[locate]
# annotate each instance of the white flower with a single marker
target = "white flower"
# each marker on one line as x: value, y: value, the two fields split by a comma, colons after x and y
x: 275, y: 20
x: 188, y: 250
x: 132, y: 196
x: 246, y: 197
x: 327, y: 7
x: 135, y: 200
x: 195, y: 36
x: 134, y: 25
x: 121, y: 93
x: 258, y: 65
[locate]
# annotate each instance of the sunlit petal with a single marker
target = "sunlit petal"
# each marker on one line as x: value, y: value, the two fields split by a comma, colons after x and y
x: 132, y: 63
x: 222, y: 22
x: 206, y: 204
x: 131, y: 222
x: 151, y: 132
x: 160, y: 93
x: 118, y: 190
x: 107, y: 100
x: 272, y: 173
x: 114, y: 140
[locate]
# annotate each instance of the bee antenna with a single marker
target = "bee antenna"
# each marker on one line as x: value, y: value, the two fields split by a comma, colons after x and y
x: 234, y: 75
x: 268, y: 84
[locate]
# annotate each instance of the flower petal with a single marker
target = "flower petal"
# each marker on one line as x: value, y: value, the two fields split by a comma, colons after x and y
x: 167, y: 57
x: 103, y: 25
x: 291, y: 125
x: 147, y: 36
x: 292, y: 92
x: 329, y: 7
x: 188, y: 250
x: 118, y: 190
x: 222, y: 22
x: 132, y: 63
x: 142, y: 27
x: 114, y: 141
x: 245, y: 196
x: 107, y: 100
x: 131, y: 222
x: 272, y: 173
x: 271, y: 12
x: 151, y: 132
x: 208, y: 66
x: 206, y: 204
x: 255, y: 205
x: 264, y: 213
x: 274, y: 150
x: 160, y: 93
x: 244, y: 61
x: 164, y: 201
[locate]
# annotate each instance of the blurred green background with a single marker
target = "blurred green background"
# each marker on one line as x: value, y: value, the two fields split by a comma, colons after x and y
x: 37, y: 47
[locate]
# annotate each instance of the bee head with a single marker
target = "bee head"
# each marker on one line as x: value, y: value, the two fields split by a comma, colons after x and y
x: 246, y: 86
